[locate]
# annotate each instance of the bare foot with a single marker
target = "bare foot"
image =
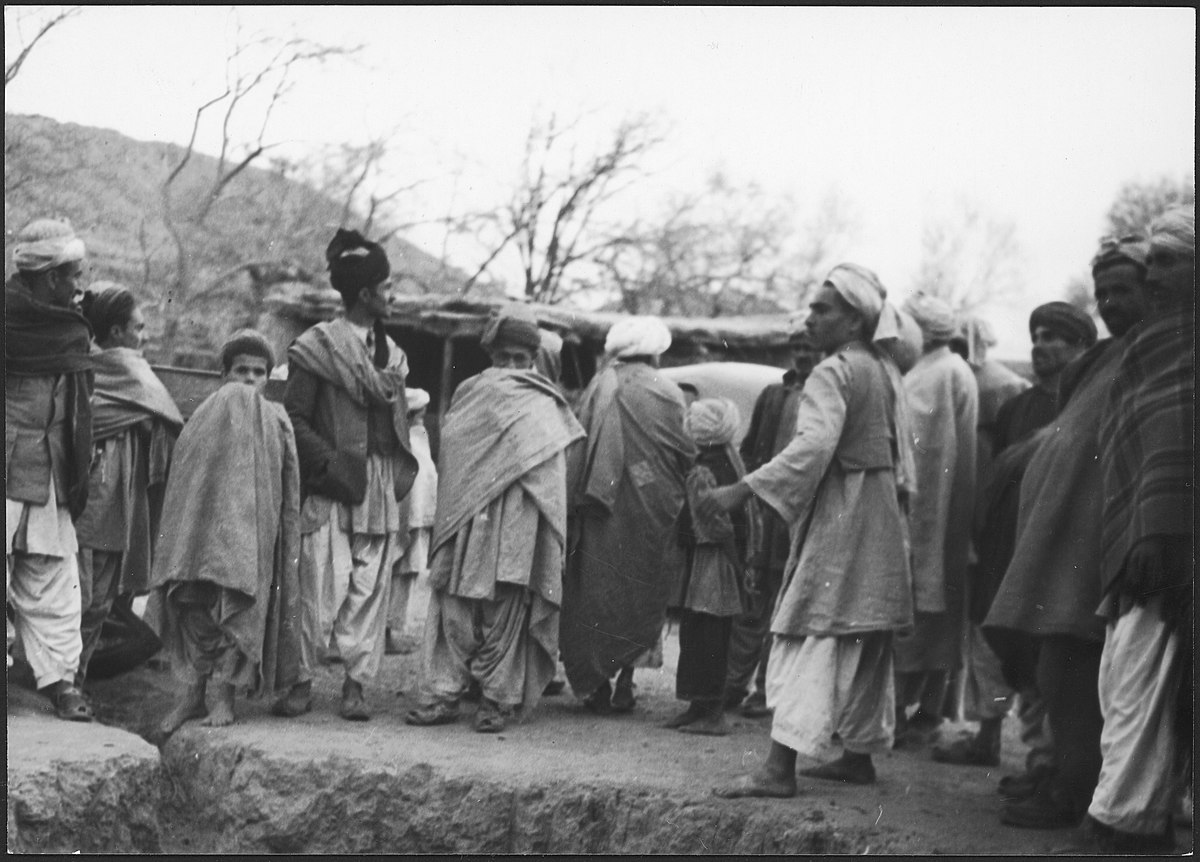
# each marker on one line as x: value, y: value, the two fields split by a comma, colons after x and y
x: 850, y: 768
x: 221, y: 715
x: 190, y: 705
x: 692, y: 713
x: 757, y: 784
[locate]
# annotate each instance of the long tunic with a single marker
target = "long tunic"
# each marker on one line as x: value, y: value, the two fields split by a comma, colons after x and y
x: 835, y: 484
x: 628, y: 490
x: 1052, y: 585
x: 943, y: 397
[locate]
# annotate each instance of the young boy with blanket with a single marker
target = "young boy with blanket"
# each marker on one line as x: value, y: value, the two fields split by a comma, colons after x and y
x: 228, y: 544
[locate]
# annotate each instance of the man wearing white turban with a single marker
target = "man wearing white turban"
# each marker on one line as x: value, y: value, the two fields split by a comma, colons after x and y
x: 48, y: 378
x: 627, y: 490
x: 842, y: 484
x: 944, y: 400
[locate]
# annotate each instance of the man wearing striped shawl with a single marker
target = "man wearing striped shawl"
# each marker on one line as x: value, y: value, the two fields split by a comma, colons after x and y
x: 1148, y: 457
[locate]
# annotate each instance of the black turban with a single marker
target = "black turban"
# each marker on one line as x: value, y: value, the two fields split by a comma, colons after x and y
x: 1066, y: 320
x: 354, y: 263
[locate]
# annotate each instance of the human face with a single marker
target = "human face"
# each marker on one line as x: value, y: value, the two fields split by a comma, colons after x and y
x: 66, y: 287
x: 1051, y: 352
x: 1170, y: 278
x: 804, y: 359
x: 132, y: 334
x: 376, y: 300
x: 831, y: 321
x: 251, y: 370
x: 511, y: 356
x: 1120, y: 297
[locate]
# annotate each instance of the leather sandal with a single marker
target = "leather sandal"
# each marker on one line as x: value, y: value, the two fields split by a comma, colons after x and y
x: 490, y: 718
x: 354, y: 707
x: 436, y: 713
x: 70, y: 704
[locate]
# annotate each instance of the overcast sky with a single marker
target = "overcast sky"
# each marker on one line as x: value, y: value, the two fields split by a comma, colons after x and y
x: 1036, y: 115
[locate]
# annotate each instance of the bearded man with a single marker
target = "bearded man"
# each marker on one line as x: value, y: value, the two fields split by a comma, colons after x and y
x: 48, y: 439
x: 499, y: 537
x: 1052, y: 586
x: 1147, y: 450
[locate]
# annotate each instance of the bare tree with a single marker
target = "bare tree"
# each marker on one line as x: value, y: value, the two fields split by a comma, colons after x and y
x: 260, y: 72
x: 44, y: 19
x: 1137, y: 204
x: 730, y: 249
x: 551, y: 220
x: 969, y: 258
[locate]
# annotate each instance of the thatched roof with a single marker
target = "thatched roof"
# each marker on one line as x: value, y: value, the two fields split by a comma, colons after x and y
x: 452, y: 316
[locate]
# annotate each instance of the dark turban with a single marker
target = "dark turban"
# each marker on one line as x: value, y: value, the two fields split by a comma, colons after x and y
x: 1066, y: 320
x: 516, y: 327
x: 1126, y: 250
x: 354, y: 263
x: 246, y: 342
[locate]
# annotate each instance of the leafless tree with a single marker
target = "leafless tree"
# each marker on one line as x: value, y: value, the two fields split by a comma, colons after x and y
x: 42, y: 19
x: 730, y: 249
x: 1139, y: 203
x: 970, y: 259
x: 259, y: 73
x: 551, y: 222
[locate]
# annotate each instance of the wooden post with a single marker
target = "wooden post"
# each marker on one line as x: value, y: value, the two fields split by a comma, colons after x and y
x: 447, y: 380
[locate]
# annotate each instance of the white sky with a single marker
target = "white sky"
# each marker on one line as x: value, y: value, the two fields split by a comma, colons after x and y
x: 1038, y: 115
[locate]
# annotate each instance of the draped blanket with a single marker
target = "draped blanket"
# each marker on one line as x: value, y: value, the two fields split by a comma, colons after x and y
x: 501, y: 425
x: 627, y: 490
x: 1052, y: 585
x: 231, y: 518
x: 333, y: 352
x: 41, y: 340
x: 127, y: 391
x: 1147, y: 444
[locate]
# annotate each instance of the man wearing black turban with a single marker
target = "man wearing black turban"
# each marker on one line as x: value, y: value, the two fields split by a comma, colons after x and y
x: 345, y: 396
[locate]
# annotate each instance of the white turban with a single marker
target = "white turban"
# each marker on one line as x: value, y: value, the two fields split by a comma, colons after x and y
x: 978, y: 335
x: 45, y: 244
x: 866, y: 294
x: 934, y: 316
x: 712, y: 421
x: 638, y: 336
x: 1175, y: 230
x: 417, y: 399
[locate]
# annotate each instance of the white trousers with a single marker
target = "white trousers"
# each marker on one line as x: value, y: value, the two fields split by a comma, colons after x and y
x: 1142, y: 777
x: 345, y: 582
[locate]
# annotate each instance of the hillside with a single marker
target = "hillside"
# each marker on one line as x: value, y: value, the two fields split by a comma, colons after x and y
x: 265, y: 228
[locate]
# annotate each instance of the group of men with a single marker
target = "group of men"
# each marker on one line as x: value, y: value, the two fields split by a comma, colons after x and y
x: 936, y: 532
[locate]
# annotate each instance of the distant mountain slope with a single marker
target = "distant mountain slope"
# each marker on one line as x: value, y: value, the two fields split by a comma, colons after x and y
x: 265, y: 227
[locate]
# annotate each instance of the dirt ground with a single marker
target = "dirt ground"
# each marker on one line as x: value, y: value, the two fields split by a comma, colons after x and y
x: 917, y: 806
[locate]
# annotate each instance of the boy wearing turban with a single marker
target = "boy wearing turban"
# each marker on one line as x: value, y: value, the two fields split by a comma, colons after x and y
x: 225, y: 558
x: 48, y: 440
x: 346, y: 399
x: 710, y: 593
x: 499, y: 537
x: 626, y: 492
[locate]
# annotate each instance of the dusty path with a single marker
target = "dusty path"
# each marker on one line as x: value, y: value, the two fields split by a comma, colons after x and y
x: 916, y: 807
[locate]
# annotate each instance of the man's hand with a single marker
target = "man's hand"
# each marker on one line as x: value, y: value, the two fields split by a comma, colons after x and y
x: 719, y: 501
